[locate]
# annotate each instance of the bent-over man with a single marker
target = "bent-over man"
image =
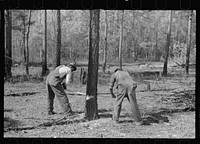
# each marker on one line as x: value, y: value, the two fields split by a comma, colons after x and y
x: 125, y: 88
x: 54, y: 86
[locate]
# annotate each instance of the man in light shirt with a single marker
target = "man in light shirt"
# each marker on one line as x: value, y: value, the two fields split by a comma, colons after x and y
x: 54, y: 87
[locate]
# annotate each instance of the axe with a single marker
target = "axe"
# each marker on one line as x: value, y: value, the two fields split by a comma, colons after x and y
x: 80, y: 93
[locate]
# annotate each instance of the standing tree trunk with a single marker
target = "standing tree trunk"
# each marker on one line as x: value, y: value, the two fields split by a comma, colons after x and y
x: 91, y: 110
x: 156, y: 47
x: 167, y: 45
x: 156, y: 37
x: 105, y: 48
x: 24, y: 36
x: 58, y: 39
x: 41, y: 22
x: 27, y: 48
x: 188, y: 43
x: 70, y: 52
x: 120, y: 41
x: 8, y: 51
x: 44, y: 50
x: 177, y: 35
x: 53, y: 30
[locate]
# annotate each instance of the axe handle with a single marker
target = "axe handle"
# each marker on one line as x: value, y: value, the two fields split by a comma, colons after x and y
x: 79, y: 93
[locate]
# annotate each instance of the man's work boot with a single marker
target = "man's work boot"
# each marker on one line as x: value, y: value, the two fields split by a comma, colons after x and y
x: 115, y: 120
x: 51, y: 113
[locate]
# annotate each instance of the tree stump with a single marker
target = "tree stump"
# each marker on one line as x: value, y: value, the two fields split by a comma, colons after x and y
x: 148, y: 86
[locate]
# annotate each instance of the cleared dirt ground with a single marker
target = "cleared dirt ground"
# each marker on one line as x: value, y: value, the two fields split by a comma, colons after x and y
x: 25, y: 112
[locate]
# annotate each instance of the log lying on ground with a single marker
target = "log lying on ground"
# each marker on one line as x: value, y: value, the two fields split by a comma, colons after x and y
x: 183, y: 98
x: 183, y: 65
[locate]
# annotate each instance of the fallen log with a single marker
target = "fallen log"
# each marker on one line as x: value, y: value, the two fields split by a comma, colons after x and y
x: 183, y: 65
x: 185, y: 98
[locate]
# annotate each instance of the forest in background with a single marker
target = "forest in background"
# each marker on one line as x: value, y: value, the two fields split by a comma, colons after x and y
x: 144, y: 35
x: 159, y: 37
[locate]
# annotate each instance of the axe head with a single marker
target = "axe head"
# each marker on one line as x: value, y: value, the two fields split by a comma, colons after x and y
x: 88, y: 97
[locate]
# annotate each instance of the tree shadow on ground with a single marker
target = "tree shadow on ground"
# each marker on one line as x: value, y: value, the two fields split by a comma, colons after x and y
x: 161, y: 115
x: 155, y: 117
x: 179, y: 75
x: 25, y: 78
x: 104, y: 110
x: 104, y: 113
x: 126, y: 121
x: 8, y: 122
x: 8, y: 110
x: 21, y: 94
x: 164, y: 89
x: 70, y: 121
x: 148, y: 120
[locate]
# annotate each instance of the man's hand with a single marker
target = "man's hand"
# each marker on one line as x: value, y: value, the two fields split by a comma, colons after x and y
x: 113, y: 96
x: 64, y: 86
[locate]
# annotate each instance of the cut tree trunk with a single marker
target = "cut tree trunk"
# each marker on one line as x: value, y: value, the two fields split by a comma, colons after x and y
x: 91, y: 110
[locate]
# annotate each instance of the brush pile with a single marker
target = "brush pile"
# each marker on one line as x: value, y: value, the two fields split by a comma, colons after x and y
x: 182, y: 99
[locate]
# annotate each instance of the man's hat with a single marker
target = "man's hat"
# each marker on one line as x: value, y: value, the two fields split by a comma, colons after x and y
x: 73, y: 66
x: 116, y: 69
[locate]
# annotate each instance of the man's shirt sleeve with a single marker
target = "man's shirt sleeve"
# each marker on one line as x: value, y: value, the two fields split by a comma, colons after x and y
x: 112, y: 81
x: 68, y: 77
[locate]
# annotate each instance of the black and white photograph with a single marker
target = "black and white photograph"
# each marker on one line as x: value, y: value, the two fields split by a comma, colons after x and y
x: 99, y: 73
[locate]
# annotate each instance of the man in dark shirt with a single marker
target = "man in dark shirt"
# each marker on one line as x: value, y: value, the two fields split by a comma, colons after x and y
x: 54, y: 86
x: 125, y: 88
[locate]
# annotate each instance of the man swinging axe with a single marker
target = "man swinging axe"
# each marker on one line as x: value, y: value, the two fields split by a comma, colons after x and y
x: 125, y: 88
x: 54, y: 87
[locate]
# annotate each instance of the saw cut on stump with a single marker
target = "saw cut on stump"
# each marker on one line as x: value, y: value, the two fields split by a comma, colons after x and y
x: 91, y: 111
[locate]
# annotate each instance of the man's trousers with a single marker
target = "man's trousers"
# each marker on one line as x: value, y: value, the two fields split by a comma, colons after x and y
x: 130, y: 93
x: 57, y: 90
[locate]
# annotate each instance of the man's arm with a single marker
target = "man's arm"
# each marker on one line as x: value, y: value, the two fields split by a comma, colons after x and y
x: 111, y: 85
x: 68, y: 78
x: 111, y: 91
